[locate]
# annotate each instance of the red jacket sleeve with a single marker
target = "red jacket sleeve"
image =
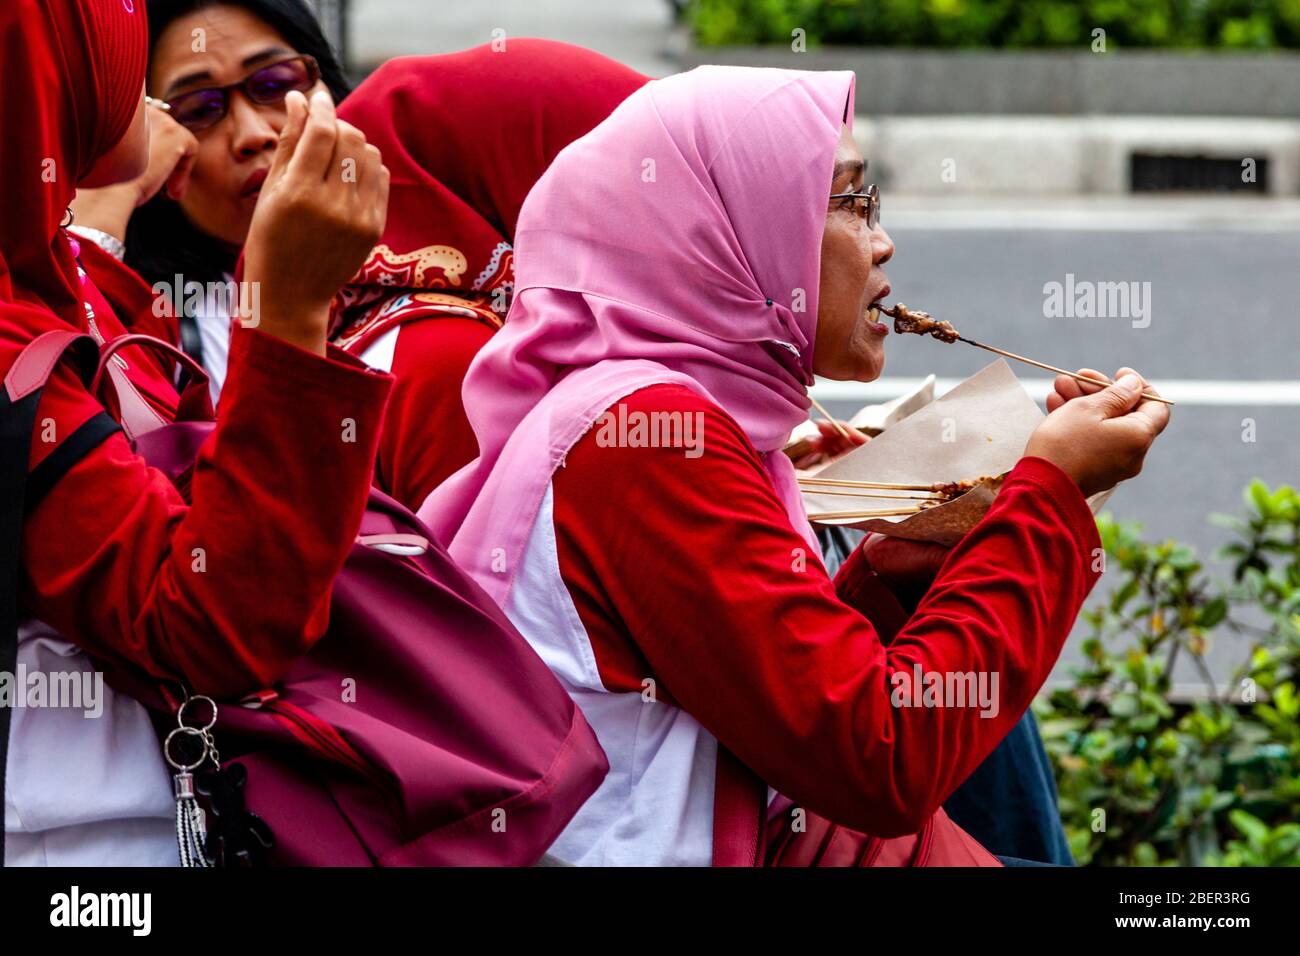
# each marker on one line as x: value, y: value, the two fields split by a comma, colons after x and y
x: 229, y: 591
x: 427, y: 437
x: 688, y: 570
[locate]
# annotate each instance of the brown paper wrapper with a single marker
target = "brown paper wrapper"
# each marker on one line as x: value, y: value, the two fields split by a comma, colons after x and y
x: 980, y: 428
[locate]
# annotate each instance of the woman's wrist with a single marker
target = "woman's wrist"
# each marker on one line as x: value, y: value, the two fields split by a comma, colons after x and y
x: 107, y: 210
x: 298, y: 324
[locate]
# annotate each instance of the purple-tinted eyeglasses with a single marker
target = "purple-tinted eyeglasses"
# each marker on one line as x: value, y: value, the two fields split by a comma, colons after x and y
x: 266, y: 86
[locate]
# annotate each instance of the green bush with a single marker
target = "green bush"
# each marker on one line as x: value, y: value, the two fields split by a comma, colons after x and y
x: 1228, y: 24
x: 1146, y: 781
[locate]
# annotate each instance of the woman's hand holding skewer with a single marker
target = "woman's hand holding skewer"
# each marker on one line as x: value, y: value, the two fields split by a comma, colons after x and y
x: 1099, y: 437
x: 832, y: 442
x: 1067, y: 387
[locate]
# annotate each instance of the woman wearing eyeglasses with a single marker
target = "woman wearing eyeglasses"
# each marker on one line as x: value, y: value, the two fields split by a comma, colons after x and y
x: 684, y: 270
x: 466, y: 136
x: 219, y: 71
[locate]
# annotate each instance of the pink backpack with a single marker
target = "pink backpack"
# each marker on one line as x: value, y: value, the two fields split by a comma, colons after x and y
x: 461, y: 747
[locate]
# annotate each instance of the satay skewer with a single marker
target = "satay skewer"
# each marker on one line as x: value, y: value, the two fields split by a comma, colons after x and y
x: 827, y: 415
x: 883, y: 485
x: 881, y: 513
x: 943, y: 489
x: 1052, y: 368
x: 940, y: 493
x: 901, y: 496
x: 922, y: 323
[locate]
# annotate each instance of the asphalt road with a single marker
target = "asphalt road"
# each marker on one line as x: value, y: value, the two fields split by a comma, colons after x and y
x: 1224, y: 305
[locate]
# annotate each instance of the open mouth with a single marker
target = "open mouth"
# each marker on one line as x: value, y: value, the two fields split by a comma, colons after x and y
x: 873, y: 312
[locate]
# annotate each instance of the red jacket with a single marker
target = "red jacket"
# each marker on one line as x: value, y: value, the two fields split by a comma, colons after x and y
x: 687, y: 571
x: 228, y: 590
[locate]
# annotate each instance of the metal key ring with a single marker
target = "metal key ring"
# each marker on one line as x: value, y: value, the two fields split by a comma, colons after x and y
x: 167, y: 749
x: 180, y: 714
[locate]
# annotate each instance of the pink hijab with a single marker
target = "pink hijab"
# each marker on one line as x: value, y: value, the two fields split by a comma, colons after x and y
x: 678, y: 242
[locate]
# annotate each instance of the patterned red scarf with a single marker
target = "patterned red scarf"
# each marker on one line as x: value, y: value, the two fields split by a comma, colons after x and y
x: 465, y: 136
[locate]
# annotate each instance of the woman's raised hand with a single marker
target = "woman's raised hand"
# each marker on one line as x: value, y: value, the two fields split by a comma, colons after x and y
x: 1099, y: 436
x: 172, y: 149
x: 321, y: 211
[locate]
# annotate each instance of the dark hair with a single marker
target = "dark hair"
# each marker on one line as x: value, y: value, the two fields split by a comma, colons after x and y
x: 160, y: 242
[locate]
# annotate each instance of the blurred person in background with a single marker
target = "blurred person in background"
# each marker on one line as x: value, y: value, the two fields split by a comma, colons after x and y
x: 466, y: 136
x: 224, y: 67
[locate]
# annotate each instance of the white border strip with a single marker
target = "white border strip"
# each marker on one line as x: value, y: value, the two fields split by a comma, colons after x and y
x: 1187, y: 391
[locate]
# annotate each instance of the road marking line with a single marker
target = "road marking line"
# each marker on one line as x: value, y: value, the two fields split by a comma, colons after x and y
x: 1187, y: 391
x: 1045, y: 220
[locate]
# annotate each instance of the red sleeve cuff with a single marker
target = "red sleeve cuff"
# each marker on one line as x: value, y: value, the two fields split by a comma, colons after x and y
x: 257, y: 355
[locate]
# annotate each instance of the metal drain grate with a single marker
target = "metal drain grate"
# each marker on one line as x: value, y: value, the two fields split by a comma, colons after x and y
x: 1150, y: 172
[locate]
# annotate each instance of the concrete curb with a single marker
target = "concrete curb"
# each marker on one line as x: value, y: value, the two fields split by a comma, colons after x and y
x: 1057, y: 122
x: 1062, y: 155
x: 1053, y: 82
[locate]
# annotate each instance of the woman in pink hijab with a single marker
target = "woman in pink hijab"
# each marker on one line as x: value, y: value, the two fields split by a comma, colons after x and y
x: 683, y: 271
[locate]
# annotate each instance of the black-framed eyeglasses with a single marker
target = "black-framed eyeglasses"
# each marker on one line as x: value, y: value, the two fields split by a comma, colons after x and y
x: 265, y: 86
x: 866, y: 204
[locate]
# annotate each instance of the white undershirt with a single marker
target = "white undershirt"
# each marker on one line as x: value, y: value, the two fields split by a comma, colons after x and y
x: 214, y: 336
x: 84, y: 790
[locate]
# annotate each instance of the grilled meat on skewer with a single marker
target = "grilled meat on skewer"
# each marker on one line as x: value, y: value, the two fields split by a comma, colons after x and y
x: 920, y: 323
x: 954, y: 489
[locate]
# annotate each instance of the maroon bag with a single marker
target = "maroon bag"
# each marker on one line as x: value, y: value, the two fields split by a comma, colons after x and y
x: 461, y: 747
x: 940, y: 843
x: 746, y: 833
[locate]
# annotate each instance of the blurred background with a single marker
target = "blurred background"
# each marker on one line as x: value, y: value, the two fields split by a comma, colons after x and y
x: 1153, y: 143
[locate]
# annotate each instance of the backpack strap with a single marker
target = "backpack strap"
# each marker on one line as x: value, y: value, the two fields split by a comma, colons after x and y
x: 138, y: 417
x: 739, y: 813
x: 19, y: 400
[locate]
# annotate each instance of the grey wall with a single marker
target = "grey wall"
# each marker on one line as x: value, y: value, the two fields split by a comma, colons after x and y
x: 912, y: 82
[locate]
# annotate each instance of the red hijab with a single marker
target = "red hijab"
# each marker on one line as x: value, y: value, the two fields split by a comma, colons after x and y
x: 73, y: 73
x: 465, y: 135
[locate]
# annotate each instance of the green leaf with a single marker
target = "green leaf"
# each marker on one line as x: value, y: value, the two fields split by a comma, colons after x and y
x: 1213, y: 613
x: 1252, y: 828
x: 1125, y: 594
x: 1257, y: 495
x: 1123, y: 705
x: 1286, y: 701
